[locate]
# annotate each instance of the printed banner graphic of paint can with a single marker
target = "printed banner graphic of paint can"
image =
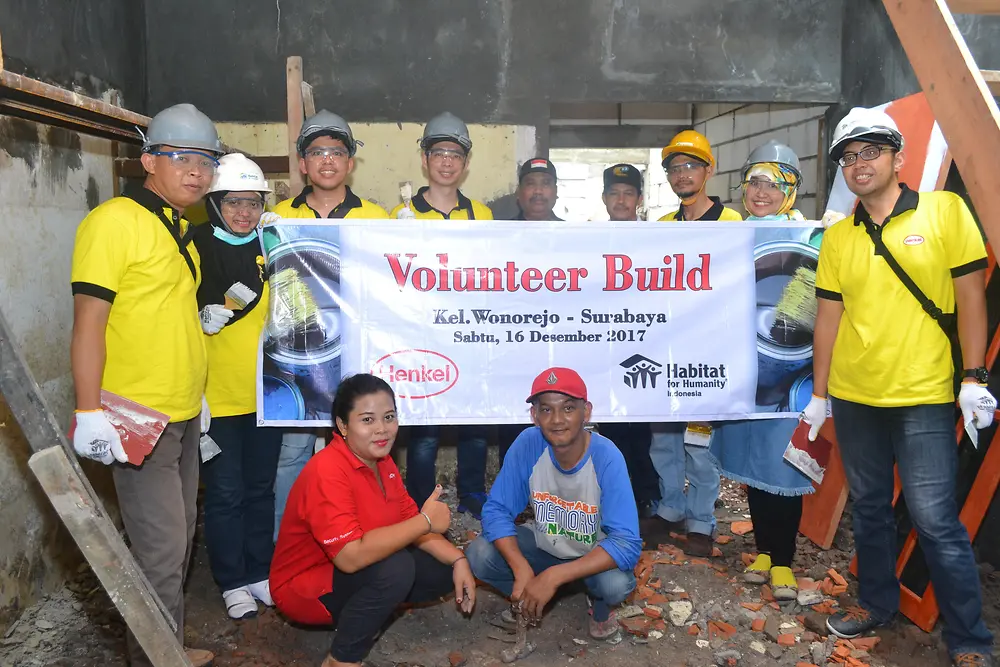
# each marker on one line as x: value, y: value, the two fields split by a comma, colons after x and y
x: 302, y: 344
x: 785, y: 275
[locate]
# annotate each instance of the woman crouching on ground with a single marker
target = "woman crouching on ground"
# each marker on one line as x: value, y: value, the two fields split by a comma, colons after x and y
x: 352, y: 540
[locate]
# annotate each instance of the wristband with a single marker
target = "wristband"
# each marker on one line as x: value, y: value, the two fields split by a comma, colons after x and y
x: 430, y: 526
x: 455, y: 562
x: 822, y: 398
x: 81, y: 412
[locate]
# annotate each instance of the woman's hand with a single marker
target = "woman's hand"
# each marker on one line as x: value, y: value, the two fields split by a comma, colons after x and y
x: 437, y: 512
x: 465, y: 585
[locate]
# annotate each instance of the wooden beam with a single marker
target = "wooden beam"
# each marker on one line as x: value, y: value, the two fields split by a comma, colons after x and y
x: 957, y: 93
x: 293, y: 88
x: 992, y: 79
x: 974, y: 6
x: 308, y: 103
x: 103, y: 548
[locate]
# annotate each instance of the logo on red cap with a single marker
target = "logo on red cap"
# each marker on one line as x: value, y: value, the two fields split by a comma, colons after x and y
x: 560, y: 380
x: 551, y: 379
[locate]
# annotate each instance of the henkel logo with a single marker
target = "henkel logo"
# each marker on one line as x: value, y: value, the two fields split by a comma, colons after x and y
x: 417, y: 373
x: 913, y: 239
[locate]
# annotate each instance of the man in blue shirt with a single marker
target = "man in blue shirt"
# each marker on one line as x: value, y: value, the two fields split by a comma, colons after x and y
x: 586, y: 525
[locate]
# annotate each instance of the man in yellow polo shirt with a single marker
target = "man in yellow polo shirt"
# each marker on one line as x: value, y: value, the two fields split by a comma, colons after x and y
x: 445, y: 148
x: 326, y: 147
x: 887, y: 365
x: 136, y: 333
x: 689, y: 163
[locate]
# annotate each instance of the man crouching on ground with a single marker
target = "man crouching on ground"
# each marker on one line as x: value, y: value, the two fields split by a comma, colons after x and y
x: 586, y: 525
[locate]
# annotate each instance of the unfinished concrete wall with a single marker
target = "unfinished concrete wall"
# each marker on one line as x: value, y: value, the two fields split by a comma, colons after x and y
x: 735, y: 130
x: 49, y: 179
x: 489, y: 60
x: 391, y: 154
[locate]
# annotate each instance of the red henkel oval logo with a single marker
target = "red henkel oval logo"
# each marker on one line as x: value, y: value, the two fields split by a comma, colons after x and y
x: 913, y: 239
x: 417, y: 373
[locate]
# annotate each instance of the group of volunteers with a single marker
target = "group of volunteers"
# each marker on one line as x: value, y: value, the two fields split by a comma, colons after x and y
x: 169, y: 315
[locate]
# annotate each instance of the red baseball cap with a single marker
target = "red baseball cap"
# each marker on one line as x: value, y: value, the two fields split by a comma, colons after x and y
x: 561, y: 380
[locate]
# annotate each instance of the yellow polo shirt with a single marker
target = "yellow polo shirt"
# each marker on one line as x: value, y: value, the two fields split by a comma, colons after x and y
x: 716, y: 212
x: 126, y: 255
x: 889, y: 352
x: 467, y: 209
x: 232, y: 362
x: 353, y: 206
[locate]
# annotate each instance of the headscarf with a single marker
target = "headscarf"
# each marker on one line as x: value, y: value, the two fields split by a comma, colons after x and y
x: 775, y: 172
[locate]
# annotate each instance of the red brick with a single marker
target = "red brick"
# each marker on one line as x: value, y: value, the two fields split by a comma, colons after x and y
x: 786, y: 640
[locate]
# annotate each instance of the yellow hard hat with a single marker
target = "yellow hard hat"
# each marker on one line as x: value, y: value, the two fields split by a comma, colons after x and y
x: 689, y: 142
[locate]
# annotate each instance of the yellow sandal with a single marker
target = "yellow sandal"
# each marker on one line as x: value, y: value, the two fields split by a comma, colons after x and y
x: 758, y: 571
x: 783, y: 584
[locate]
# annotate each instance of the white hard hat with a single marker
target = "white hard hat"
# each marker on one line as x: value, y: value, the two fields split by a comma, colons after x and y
x: 238, y: 173
x: 862, y: 123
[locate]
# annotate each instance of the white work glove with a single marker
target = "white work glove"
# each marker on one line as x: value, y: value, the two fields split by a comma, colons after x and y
x: 405, y: 213
x: 977, y: 404
x: 206, y: 416
x: 95, y: 438
x: 815, y: 414
x: 268, y: 217
x: 214, y: 317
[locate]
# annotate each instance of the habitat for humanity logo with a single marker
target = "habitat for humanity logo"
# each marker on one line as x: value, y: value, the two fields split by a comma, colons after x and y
x: 641, y: 372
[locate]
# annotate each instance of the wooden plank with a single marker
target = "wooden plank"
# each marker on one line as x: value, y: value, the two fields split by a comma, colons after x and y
x: 38, y: 424
x: 293, y: 88
x: 821, y: 511
x: 103, y: 548
x: 308, y: 103
x: 992, y: 78
x: 958, y: 96
x: 974, y: 6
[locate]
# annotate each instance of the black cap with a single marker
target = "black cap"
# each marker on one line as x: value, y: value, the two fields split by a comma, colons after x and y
x: 536, y: 164
x: 623, y: 173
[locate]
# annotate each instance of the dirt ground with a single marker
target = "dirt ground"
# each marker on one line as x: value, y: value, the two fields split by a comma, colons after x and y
x: 708, y: 618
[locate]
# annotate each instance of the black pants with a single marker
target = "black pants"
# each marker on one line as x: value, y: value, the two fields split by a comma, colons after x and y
x: 633, y: 440
x: 775, y: 524
x: 362, y: 602
x: 239, y: 500
x: 506, y: 435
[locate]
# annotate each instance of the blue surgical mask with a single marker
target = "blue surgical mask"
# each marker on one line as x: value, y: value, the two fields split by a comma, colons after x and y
x: 232, y: 239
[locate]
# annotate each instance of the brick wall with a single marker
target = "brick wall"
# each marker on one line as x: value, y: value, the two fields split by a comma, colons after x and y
x: 735, y: 130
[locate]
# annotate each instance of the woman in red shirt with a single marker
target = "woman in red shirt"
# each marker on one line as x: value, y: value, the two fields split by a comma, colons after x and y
x: 352, y: 540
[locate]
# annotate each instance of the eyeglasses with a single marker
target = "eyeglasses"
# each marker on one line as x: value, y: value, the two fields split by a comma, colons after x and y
x: 242, y: 202
x: 442, y: 154
x: 322, y: 153
x: 868, y: 153
x: 767, y: 186
x: 190, y: 160
x: 682, y: 168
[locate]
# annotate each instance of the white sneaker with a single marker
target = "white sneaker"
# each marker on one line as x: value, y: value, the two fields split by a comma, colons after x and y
x: 262, y: 591
x: 240, y: 603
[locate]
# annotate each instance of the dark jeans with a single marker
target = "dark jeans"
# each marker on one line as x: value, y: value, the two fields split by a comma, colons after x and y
x: 362, y: 602
x: 239, y: 500
x: 921, y: 441
x: 775, y: 524
x: 421, y: 458
x: 605, y: 589
x: 633, y: 440
x: 506, y: 435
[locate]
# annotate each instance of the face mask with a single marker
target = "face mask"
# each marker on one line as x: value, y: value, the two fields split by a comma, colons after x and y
x: 232, y: 239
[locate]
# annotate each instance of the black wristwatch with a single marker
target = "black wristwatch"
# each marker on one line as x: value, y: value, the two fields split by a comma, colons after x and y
x: 981, y: 375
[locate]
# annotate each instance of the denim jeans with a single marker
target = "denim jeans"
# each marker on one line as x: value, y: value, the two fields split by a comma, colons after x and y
x: 421, y: 459
x: 239, y: 500
x: 674, y: 462
x: 633, y: 440
x: 296, y: 450
x: 606, y: 589
x: 921, y: 441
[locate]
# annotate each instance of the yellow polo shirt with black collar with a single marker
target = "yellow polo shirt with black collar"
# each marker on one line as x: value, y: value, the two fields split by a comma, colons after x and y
x: 353, y: 206
x: 889, y: 352
x: 128, y: 253
x: 467, y: 209
x: 716, y: 212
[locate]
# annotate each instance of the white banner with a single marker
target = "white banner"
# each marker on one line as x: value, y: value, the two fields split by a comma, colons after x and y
x: 459, y: 317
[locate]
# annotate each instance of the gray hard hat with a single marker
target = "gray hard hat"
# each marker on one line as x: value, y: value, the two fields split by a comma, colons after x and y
x: 182, y: 126
x: 446, y: 127
x: 326, y: 123
x: 776, y: 152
